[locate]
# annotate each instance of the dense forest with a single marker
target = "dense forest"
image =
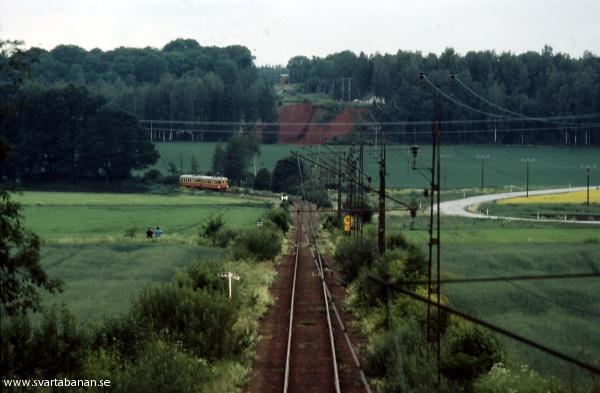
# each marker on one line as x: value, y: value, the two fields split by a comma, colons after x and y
x: 73, y: 104
x: 73, y: 114
x: 181, y: 81
x: 503, y: 90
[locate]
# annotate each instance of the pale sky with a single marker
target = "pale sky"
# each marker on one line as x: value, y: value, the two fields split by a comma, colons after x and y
x: 276, y: 30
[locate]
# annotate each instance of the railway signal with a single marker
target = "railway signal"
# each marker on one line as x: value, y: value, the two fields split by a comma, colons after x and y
x: 229, y: 276
x: 347, y: 224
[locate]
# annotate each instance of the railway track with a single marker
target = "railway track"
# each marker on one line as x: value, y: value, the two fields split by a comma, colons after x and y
x: 305, y: 331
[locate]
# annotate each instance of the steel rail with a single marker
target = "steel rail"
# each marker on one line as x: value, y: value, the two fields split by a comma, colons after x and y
x: 336, y: 377
x: 289, y: 343
x: 319, y: 264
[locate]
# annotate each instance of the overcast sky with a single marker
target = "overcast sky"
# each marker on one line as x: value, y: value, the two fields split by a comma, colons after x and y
x: 277, y: 30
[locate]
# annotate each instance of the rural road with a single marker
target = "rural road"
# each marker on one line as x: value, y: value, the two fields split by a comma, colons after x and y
x: 459, y: 207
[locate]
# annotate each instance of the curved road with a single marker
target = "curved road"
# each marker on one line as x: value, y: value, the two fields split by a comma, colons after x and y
x: 459, y: 207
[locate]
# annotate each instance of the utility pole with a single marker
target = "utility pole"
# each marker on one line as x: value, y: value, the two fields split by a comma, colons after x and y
x: 339, y: 195
x: 587, y: 170
x: 482, y: 157
x: 350, y: 195
x: 527, y: 161
x: 381, y: 233
x: 229, y: 276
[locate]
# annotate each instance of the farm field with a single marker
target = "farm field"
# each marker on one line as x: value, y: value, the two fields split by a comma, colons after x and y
x: 554, y: 206
x: 553, y: 168
x: 563, y: 314
x: 84, y: 241
x: 578, y: 197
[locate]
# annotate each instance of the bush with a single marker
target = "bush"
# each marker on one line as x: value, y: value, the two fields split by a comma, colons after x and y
x: 500, y: 380
x: 280, y: 217
x: 122, y: 335
x: 317, y: 194
x: 263, y: 180
x: 162, y: 368
x: 257, y: 243
x: 351, y: 255
x: 153, y: 176
x: 53, y: 348
x: 202, y: 320
x: 468, y: 352
x: 224, y: 236
x: 330, y: 222
x: 200, y: 275
x: 210, y: 227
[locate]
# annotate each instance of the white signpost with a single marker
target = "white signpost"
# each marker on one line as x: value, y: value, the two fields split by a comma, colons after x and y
x: 229, y: 276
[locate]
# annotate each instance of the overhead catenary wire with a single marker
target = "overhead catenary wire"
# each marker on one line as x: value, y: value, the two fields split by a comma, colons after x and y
x: 501, y: 108
x: 365, y: 123
x: 591, y: 127
x: 460, y: 103
x: 505, y: 332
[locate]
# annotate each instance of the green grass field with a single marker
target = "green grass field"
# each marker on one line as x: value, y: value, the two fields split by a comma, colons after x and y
x: 84, y: 241
x: 563, y: 314
x: 554, y: 167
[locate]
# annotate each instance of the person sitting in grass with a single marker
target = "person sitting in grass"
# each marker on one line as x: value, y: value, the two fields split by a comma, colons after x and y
x: 149, y: 233
x: 157, y: 232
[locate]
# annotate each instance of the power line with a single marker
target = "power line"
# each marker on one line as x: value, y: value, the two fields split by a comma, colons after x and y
x: 457, y: 102
x: 586, y: 366
x: 517, y: 114
x: 367, y: 123
x: 591, y: 127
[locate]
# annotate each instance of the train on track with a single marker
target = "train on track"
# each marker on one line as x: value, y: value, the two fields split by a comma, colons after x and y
x: 217, y: 183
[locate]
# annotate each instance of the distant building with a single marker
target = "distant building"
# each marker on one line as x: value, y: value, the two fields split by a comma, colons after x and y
x: 371, y: 99
x: 284, y: 79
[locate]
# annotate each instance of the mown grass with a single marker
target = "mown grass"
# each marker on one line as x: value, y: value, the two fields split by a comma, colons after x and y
x: 562, y: 314
x: 86, y: 244
x: 100, y: 279
x: 554, y: 167
x: 93, y: 217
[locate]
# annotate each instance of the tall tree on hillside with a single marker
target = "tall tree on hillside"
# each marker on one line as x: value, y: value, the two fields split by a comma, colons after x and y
x: 240, y: 150
x: 219, y: 159
x: 20, y: 270
x: 287, y: 176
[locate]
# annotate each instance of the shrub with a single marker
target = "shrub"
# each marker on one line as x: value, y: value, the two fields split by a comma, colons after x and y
x: 202, y: 320
x: 468, y: 352
x: 263, y: 180
x: 57, y: 346
x: 257, y: 243
x: 224, y: 236
x: 500, y: 380
x: 122, y: 335
x: 162, y: 368
x: 315, y: 193
x: 280, y: 217
x: 210, y: 227
x: 153, y: 176
x: 200, y: 275
x: 330, y: 222
x: 351, y: 255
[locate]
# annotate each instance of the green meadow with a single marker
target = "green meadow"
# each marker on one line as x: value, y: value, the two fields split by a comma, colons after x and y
x: 95, y: 242
x: 553, y: 167
x: 562, y: 313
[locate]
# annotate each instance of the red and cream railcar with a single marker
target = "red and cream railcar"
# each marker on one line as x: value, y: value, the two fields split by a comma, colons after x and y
x: 204, y: 182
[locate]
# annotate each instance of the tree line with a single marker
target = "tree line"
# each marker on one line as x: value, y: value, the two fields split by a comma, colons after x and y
x: 544, y: 84
x: 181, y: 81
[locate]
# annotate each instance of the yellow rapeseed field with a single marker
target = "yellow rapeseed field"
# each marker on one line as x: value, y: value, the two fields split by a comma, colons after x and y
x: 568, y: 197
